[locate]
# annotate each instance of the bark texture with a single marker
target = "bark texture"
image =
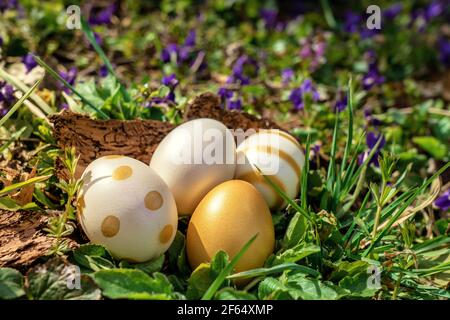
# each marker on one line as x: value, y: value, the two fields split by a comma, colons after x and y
x: 22, y: 239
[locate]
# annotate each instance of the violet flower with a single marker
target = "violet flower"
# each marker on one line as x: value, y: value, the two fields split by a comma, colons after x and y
x: 190, y: 39
x: 172, y: 82
x: 9, y: 5
x: 341, y: 101
x: 297, y: 95
x: 29, y: 62
x: 314, y: 51
x: 70, y: 77
x: 270, y: 17
x: 167, y: 52
x: 443, y: 201
x: 6, y: 97
x: 287, y: 75
x: 235, y: 104
x: 243, y: 69
x: 371, y: 141
x: 352, y: 22
x: 103, y: 16
x: 393, y: 11
x: 103, y: 71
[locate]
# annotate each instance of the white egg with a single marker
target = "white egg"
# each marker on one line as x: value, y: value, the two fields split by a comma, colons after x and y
x: 279, y: 156
x: 194, y: 158
x: 125, y: 206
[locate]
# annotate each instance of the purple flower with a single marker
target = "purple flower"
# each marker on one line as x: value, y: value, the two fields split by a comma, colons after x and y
x: 235, y: 104
x: 270, y: 17
x: 225, y: 94
x: 287, y: 75
x: 371, y: 120
x: 70, y: 77
x: 352, y: 22
x: 1, y: 41
x: 435, y: 9
x: 64, y: 106
x: 103, y: 16
x: 190, y: 38
x: 393, y: 11
x: 443, y: 202
x: 313, y: 50
x: 168, y: 52
x: 297, y: 95
x: 243, y: 68
x: 171, y: 82
x: 29, y: 62
x: 9, y: 5
x: 341, y: 102
x: 6, y: 97
x: 372, y: 78
x: 371, y: 141
x: 103, y: 72
x: 444, y: 51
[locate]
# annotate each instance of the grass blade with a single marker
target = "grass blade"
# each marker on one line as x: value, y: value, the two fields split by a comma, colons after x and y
x: 276, y: 269
x: 19, y: 185
x: 284, y: 196
x: 328, y: 14
x: 90, y: 36
x: 55, y: 75
x: 19, y: 103
x: 304, y: 177
x: 226, y: 271
x: 15, y: 82
x: 403, y: 208
x: 350, y: 126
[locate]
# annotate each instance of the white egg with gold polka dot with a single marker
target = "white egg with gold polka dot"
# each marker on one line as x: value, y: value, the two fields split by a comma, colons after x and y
x: 277, y: 155
x: 125, y: 206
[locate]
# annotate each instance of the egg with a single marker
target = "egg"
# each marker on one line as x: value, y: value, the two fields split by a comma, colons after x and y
x: 226, y: 219
x: 279, y: 156
x: 194, y: 158
x: 125, y: 206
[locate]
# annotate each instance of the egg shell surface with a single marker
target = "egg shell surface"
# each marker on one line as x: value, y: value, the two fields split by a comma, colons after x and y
x: 125, y: 206
x: 226, y: 219
x: 279, y: 156
x: 194, y: 158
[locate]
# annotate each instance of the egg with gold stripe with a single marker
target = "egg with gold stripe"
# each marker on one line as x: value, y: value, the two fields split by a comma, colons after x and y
x: 277, y: 155
x: 125, y: 206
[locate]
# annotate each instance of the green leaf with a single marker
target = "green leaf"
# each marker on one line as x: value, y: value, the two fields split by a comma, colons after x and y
x: 199, y: 281
x: 19, y: 185
x: 11, y: 284
x: 233, y: 294
x: 93, y: 257
x: 18, y: 103
x: 177, y: 254
x: 275, y: 269
x: 7, y: 203
x: 296, y: 253
x: 295, y: 231
x: 53, y: 280
x: 133, y: 284
x: 346, y: 268
x: 357, y: 285
x: 433, y: 146
x: 226, y: 271
x: 301, y: 287
x: 148, y: 267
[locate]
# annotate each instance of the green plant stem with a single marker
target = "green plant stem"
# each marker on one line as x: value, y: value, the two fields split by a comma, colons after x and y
x: 378, y: 213
x: 397, y: 287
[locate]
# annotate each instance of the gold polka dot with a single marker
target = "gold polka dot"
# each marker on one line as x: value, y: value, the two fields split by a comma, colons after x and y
x: 113, y: 156
x: 153, y: 200
x: 80, y: 205
x: 122, y: 173
x: 166, y: 233
x: 110, y: 226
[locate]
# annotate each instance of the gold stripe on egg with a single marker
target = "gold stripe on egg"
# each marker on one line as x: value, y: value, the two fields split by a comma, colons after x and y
x: 283, y: 134
x: 282, y: 154
x: 254, y: 177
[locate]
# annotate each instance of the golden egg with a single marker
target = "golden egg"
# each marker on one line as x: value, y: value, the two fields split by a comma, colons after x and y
x: 226, y: 219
